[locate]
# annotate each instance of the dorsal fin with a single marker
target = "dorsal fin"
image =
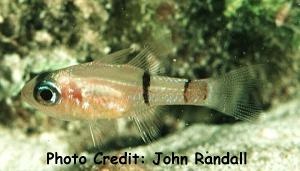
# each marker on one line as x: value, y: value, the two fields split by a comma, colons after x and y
x: 147, y: 59
x: 117, y: 57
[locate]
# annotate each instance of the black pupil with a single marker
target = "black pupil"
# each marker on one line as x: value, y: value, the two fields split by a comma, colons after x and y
x: 46, y: 95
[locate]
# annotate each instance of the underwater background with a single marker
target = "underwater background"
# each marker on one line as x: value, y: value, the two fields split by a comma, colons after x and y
x: 209, y: 37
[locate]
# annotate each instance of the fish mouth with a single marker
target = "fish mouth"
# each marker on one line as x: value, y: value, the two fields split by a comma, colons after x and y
x: 27, y: 93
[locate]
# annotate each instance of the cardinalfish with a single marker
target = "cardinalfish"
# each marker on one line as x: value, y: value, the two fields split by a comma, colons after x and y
x: 109, y: 88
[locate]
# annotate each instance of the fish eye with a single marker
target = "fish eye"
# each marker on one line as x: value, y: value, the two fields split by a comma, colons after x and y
x: 46, y: 93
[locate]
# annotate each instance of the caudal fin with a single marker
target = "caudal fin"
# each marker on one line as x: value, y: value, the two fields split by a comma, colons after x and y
x: 231, y: 93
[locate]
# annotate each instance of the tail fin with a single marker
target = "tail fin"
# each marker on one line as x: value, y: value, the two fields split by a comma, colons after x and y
x: 230, y: 93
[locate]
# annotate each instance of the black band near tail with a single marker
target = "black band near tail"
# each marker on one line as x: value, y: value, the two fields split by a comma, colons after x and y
x: 186, y: 86
x: 146, y: 85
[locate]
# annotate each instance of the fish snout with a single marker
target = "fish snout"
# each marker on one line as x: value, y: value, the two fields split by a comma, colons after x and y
x: 27, y: 93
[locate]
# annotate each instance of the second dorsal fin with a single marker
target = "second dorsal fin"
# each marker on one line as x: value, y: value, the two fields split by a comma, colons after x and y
x: 146, y: 60
x: 155, y: 48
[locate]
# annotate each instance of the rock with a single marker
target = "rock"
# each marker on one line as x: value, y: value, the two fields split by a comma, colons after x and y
x: 19, y: 151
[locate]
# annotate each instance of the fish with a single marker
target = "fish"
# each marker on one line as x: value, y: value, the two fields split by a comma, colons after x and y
x: 111, y: 88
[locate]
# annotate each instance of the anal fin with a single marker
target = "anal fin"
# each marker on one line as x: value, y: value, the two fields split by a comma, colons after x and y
x: 147, y: 122
x: 101, y: 131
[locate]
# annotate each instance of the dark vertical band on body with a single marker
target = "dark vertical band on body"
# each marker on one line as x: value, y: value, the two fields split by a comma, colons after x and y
x: 186, y: 86
x: 146, y: 85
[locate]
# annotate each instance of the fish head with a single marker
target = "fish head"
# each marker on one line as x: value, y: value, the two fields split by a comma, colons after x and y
x: 44, y: 94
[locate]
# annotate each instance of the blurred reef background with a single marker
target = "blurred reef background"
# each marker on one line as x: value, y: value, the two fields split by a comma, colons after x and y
x: 209, y: 38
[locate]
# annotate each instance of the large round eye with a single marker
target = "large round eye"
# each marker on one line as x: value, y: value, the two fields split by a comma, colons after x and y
x: 46, y: 93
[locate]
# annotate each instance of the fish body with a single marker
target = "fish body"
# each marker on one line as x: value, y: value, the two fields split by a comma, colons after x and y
x: 107, y: 89
x: 113, y: 91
